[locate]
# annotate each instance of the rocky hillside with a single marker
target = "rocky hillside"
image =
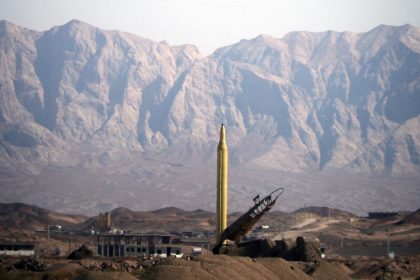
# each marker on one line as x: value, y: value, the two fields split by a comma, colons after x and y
x: 91, y: 119
x: 77, y: 85
x: 308, y: 101
x: 18, y: 216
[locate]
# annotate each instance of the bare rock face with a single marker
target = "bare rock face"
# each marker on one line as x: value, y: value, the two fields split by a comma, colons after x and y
x: 77, y: 85
x: 308, y: 101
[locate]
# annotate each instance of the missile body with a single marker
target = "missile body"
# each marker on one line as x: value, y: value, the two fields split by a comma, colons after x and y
x: 222, y: 178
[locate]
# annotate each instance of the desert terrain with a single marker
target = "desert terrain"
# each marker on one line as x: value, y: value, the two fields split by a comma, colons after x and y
x: 355, y: 247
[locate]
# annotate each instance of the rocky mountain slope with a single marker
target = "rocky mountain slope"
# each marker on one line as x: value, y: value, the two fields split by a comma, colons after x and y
x: 80, y: 98
x: 307, y: 101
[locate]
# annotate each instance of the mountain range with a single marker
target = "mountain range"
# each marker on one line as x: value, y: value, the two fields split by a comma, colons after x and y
x: 107, y: 112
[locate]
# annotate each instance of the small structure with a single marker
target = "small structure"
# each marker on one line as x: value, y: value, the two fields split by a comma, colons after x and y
x: 104, y: 221
x: 137, y: 245
x: 17, y: 249
x: 196, y: 251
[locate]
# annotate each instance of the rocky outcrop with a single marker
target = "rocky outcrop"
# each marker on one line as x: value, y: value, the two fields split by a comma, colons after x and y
x: 82, y: 253
x: 32, y: 264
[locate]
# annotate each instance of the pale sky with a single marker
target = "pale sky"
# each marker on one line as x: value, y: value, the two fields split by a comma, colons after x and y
x: 210, y: 24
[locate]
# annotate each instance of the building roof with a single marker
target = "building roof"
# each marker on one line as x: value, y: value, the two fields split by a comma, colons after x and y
x: 132, y: 234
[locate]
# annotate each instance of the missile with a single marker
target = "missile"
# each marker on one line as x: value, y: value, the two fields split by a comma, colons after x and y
x: 222, y: 181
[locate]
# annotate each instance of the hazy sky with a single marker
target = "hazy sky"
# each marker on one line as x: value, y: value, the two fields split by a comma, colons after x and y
x: 210, y: 24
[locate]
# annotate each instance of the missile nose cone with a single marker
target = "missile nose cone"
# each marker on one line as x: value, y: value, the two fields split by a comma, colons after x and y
x: 222, y: 134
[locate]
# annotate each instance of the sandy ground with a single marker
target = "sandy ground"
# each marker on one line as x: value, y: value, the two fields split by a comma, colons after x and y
x: 212, y: 267
x: 146, y: 185
x: 229, y: 268
x: 307, y: 225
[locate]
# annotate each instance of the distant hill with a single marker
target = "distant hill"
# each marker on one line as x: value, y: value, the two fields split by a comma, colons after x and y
x: 169, y: 211
x: 326, y: 212
x: 167, y: 218
x: 23, y: 216
x: 411, y: 219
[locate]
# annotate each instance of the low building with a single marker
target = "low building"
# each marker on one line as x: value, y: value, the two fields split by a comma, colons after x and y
x: 17, y: 249
x: 196, y: 251
x: 137, y: 245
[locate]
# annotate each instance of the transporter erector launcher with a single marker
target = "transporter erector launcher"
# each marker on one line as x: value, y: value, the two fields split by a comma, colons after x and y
x: 222, y: 178
x: 244, y: 223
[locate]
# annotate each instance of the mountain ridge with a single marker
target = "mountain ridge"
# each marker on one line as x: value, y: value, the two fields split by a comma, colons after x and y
x: 77, y: 100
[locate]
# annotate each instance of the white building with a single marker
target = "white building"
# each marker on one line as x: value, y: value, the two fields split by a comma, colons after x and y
x: 17, y: 249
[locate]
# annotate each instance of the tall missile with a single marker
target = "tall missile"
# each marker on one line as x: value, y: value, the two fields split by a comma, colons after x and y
x: 222, y: 181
